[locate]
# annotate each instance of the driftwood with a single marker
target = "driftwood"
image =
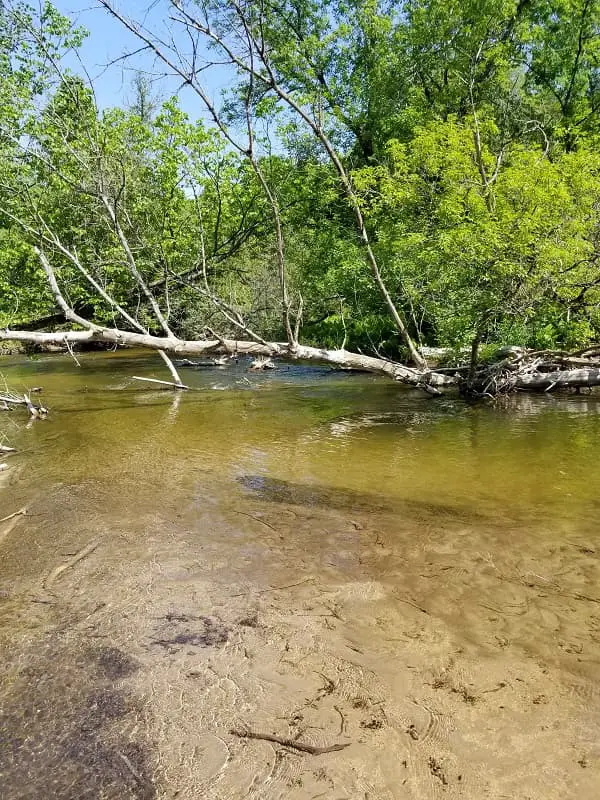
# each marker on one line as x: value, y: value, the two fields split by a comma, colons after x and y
x: 162, y: 383
x: 220, y: 361
x: 12, y: 520
x: 303, y: 748
x: 56, y: 573
x: 35, y: 411
x: 23, y: 400
x: 12, y: 400
x: 519, y: 369
x: 262, y: 362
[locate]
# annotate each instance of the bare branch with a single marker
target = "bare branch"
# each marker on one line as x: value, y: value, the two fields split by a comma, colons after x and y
x: 112, y: 213
x: 430, y: 381
x: 264, y: 74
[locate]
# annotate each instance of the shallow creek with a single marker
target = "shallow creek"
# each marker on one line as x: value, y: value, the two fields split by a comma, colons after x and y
x: 320, y: 557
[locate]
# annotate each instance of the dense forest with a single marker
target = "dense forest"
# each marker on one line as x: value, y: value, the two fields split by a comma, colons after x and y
x: 371, y: 178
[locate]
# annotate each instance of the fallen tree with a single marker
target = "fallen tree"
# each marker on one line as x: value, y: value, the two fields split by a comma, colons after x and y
x: 111, y: 236
x: 517, y: 370
x: 528, y: 371
x: 429, y: 380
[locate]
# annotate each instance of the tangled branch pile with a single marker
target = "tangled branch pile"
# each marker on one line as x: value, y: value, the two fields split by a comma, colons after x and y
x: 9, y: 400
x: 533, y: 370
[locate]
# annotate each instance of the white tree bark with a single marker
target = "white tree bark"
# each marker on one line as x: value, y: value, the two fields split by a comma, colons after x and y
x: 561, y: 379
x: 428, y: 380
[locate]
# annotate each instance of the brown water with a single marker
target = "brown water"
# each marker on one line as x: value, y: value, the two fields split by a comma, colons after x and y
x: 312, y: 555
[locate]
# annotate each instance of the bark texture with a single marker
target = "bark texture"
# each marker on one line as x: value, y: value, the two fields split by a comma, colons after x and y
x: 426, y: 379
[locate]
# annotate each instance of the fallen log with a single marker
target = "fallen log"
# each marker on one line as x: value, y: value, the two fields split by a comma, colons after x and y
x: 559, y: 379
x: 16, y: 400
x: 35, y: 411
x: 531, y: 371
x: 11, y: 400
x: 221, y: 361
x: 425, y: 379
x: 262, y: 363
x: 521, y: 369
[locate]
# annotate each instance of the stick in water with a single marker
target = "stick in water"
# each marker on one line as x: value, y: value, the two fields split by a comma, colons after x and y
x: 15, y: 514
x: 56, y: 573
x: 12, y: 520
x: 304, y: 748
x: 162, y: 383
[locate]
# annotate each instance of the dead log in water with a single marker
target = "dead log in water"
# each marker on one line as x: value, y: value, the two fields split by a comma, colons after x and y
x: 219, y: 361
x: 533, y: 371
x: 9, y: 400
x: 263, y: 362
x: 519, y: 370
x: 587, y: 377
x: 426, y: 379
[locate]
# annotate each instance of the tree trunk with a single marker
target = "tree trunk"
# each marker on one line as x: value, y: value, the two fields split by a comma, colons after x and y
x: 428, y: 380
x: 431, y: 381
x: 561, y: 379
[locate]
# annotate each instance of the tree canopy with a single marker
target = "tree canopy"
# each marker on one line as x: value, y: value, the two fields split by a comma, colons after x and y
x: 374, y: 175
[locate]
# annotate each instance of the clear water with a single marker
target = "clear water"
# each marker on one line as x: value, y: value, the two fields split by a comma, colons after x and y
x: 450, y: 551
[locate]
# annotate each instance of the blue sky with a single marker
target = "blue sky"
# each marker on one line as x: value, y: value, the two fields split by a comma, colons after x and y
x: 108, y: 40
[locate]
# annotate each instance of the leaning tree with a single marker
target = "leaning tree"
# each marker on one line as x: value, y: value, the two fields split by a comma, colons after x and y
x: 105, y: 201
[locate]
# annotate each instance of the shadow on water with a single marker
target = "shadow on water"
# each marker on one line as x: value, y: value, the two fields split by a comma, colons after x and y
x: 68, y: 727
x: 273, y: 490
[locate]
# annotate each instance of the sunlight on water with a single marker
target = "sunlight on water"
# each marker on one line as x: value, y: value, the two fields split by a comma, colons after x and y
x: 434, y: 562
x: 309, y: 426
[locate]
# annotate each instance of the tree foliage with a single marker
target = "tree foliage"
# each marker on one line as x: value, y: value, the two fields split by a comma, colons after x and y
x: 466, y: 137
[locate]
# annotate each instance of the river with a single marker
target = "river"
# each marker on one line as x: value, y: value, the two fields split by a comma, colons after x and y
x: 315, y: 556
